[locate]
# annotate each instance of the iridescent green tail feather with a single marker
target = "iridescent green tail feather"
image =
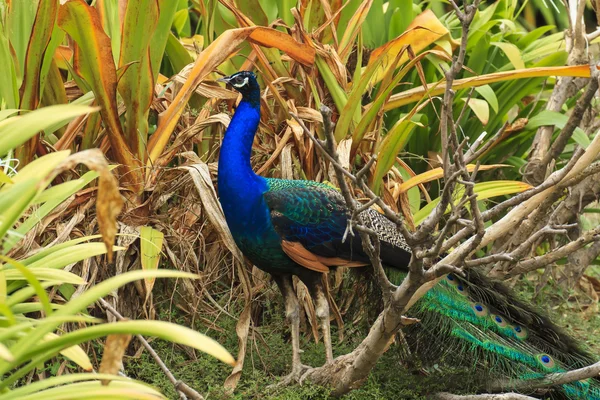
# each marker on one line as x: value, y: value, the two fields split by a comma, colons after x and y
x: 481, y: 330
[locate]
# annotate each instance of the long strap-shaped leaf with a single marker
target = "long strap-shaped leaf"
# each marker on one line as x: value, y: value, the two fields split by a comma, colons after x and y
x: 94, y: 61
x: 415, y: 94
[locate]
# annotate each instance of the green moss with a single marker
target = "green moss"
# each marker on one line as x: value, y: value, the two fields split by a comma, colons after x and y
x: 268, y: 358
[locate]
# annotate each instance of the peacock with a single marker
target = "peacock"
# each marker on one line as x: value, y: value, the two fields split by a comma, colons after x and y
x: 296, y: 227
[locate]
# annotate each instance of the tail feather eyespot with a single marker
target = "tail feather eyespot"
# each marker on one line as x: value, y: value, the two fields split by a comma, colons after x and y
x: 499, y: 320
x: 458, y: 285
x: 546, y: 361
x: 461, y: 289
x: 520, y: 331
x: 479, y: 309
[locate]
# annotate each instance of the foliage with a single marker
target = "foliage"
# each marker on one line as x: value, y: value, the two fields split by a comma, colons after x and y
x: 26, y: 341
x: 138, y: 60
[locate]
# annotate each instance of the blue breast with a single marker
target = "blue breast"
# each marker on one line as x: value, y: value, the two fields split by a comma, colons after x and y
x: 241, y: 193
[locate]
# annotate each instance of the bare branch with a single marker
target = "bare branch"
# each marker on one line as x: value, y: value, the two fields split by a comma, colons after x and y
x: 555, y: 255
x: 474, y: 153
x: 493, y: 258
x: 503, y: 396
x: 581, y: 106
x: 548, y: 380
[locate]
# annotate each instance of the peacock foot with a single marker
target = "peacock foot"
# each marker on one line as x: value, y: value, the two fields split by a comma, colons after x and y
x: 297, y: 375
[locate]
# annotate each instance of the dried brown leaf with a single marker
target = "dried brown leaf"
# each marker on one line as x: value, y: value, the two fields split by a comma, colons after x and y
x: 112, y: 358
x: 109, y: 202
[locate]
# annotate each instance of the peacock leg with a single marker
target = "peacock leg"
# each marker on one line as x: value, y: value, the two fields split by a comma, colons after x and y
x: 322, y: 309
x: 292, y: 314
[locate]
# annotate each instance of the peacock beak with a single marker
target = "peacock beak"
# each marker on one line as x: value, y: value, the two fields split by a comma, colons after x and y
x: 225, y: 79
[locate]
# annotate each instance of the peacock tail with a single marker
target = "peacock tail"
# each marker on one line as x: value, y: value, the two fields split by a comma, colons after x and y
x: 477, y: 324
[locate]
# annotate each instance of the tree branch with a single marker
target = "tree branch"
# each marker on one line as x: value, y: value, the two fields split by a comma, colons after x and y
x: 503, y: 396
x: 548, y: 380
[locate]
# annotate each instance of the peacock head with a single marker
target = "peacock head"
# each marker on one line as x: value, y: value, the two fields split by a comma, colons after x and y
x: 244, y: 82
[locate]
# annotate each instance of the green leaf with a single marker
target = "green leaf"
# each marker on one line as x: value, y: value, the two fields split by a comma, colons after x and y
x: 161, y: 34
x: 31, y: 277
x: 151, y: 241
x: 45, y: 274
x: 164, y: 330
x: 61, y: 382
x: 63, y: 257
x: 512, y: 52
x: 480, y: 108
x: 390, y: 146
x: 40, y: 168
x: 337, y: 93
x: 4, y: 178
x: 177, y: 54
x: 17, y: 130
x: 136, y: 86
x: 73, y: 353
x: 559, y: 120
x: 352, y: 107
x: 64, y: 190
x: 44, y: 252
x: 41, y: 32
x: 180, y: 20
x: 130, y: 390
x: 488, y: 94
x: 9, y: 90
x: 484, y: 190
x: 74, y: 306
x: 401, y: 16
x: 532, y: 36
x: 14, y: 202
x: 20, y: 18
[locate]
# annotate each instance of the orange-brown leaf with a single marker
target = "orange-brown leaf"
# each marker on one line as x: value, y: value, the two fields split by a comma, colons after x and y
x: 354, y: 26
x: 217, y: 52
x: 62, y: 55
x: 415, y: 94
x: 94, y: 61
x: 112, y: 357
x: 423, y: 31
x: 438, y: 173
x: 301, y: 52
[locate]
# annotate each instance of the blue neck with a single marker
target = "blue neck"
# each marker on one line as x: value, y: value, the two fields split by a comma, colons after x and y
x: 240, y: 189
x: 237, y: 144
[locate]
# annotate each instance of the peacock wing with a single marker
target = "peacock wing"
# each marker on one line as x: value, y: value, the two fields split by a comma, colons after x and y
x: 311, y: 219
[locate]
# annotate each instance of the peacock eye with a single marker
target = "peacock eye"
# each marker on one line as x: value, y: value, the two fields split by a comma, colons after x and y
x: 520, y: 332
x: 546, y: 361
x: 501, y: 322
x: 239, y: 79
x: 479, y: 309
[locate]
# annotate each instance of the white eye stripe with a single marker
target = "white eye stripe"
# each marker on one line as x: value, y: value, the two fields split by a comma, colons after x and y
x: 239, y: 85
